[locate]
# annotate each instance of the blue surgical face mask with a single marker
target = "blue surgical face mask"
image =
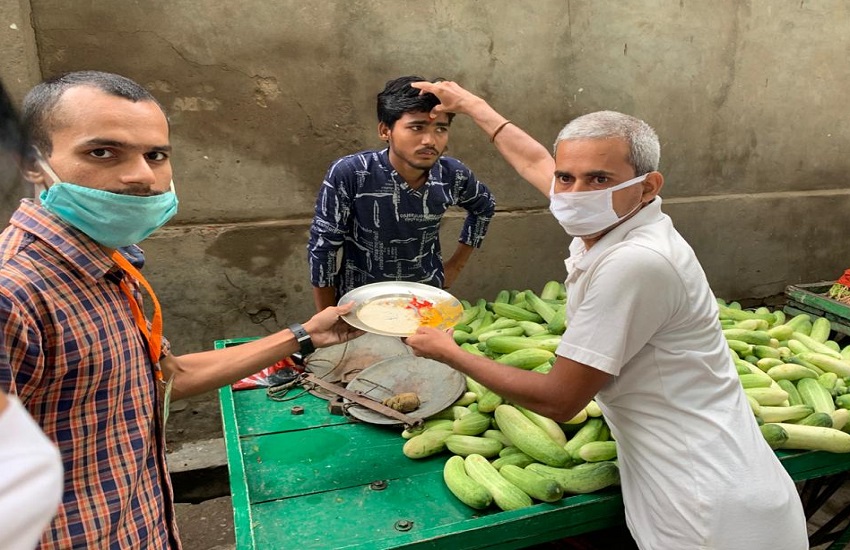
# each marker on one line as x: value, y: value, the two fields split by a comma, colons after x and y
x: 111, y: 219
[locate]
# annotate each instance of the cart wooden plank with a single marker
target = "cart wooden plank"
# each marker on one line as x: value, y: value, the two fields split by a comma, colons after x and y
x: 243, y: 534
x: 804, y: 465
x: 811, y: 299
x: 419, y: 512
x: 353, y: 455
x: 812, y: 294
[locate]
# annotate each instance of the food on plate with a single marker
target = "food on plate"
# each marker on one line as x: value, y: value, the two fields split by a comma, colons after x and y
x: 399, y: 314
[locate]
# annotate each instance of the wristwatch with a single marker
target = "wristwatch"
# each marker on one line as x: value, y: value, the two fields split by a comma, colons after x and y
x: 303, y: 339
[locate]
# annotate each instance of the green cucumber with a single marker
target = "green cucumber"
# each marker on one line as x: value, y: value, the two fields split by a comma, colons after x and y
x: 466, y: 489
x: 793, y: 395
x: 820, y: 329
x: 755, y: 337
x: 587, y: 477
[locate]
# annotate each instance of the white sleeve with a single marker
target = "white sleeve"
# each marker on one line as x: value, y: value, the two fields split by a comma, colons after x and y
x: 631, y: 293
x: 30, y: 479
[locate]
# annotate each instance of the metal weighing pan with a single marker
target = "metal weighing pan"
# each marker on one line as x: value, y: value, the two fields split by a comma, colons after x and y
x: 436, y: 384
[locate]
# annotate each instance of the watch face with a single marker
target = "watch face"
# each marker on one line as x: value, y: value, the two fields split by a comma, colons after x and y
x: 303, y: 339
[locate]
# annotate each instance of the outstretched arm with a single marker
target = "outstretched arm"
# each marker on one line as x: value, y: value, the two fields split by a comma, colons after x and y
x: 528, y: 157
x: 196, y: 373
x: 558, y: 395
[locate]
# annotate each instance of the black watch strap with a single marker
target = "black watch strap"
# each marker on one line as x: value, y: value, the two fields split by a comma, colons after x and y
x: 303, y: 338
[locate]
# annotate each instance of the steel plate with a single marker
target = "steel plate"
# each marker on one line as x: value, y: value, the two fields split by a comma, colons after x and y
x: 436, y: 384
x: 395, y: 300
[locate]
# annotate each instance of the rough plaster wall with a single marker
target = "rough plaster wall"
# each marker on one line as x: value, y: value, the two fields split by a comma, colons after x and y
x: 19, y: 71
x: 748, y: 98
x: 19, y: 62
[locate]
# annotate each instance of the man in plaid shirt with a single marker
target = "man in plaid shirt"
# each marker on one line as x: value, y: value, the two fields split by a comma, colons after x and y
x: 83, y: 358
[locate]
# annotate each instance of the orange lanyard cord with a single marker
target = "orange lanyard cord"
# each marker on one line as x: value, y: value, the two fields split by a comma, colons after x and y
x: 154, y: 336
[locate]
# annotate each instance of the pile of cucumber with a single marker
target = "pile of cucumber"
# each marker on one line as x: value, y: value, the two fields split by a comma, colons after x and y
x: 795, y: 374
x: 512, y: 457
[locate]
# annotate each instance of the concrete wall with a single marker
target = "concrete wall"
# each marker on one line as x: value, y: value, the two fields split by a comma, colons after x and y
x: 748, y: 98
x: 19, y: 71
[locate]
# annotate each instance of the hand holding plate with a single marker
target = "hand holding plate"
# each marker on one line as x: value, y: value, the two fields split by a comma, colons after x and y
x: 433, y: 344
x: 327, y: 328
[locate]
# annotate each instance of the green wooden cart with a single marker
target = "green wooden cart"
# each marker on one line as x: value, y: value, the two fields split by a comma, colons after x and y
x: 812, y: 299
x: 317, y: 480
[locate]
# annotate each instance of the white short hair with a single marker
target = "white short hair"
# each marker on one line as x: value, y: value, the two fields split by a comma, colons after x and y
x: 644, y: 148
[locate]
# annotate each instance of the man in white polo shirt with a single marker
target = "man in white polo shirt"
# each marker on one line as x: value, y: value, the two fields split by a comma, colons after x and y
x: 643, y: 338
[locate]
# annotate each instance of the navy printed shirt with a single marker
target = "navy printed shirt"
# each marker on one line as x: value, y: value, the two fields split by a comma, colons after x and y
x: 381, y: 229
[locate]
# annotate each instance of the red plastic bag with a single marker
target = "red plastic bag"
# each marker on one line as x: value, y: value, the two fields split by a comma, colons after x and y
x: 265, y: 378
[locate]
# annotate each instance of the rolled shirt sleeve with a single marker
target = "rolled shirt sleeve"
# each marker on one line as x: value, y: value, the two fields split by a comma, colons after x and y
x: 329, y: 227
x: 475, y: 197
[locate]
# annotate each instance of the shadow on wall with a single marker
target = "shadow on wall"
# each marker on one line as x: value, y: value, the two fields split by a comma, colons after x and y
x: 256, y: 250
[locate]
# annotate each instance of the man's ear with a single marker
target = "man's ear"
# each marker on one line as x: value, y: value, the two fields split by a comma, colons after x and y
x: 383, y: 132
x: 33, y: 172
x: 652, y: 186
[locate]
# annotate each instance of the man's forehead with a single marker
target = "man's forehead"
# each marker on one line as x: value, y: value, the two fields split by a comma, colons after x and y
x: 89, y: 110
x: 425, y: 116
x: 605, y: 150
x: 83, y: 102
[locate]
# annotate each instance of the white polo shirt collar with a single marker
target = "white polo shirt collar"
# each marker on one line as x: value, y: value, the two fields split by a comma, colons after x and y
x: 581, y: 258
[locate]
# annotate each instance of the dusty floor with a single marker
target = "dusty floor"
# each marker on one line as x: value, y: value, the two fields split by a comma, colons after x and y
x: 194, y: 419
x: 209, y: 524
x: 206, y: 526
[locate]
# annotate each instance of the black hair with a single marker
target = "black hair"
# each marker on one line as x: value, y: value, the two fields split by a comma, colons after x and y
x: 399, y: 97
x: 12, y: 137
x: 40, y: 103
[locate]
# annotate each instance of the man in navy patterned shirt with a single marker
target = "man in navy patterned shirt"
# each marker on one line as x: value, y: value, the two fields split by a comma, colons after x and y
x: 378, y: 213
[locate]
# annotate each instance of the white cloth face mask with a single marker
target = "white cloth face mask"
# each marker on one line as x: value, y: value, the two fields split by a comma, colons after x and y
x: 586, y: 213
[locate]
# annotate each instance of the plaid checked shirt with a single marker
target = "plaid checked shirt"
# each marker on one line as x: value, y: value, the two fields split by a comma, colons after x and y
x: 80, y: 366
